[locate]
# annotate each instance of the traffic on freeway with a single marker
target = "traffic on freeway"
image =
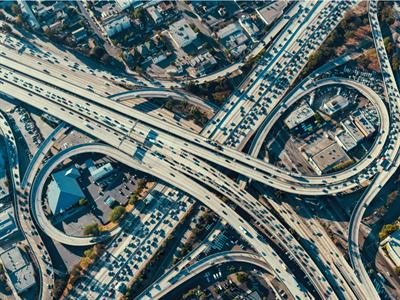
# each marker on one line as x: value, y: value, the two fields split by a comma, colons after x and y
x: 147, y: 144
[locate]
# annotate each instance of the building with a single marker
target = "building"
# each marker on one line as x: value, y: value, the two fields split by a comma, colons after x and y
x: 392, y: 245
x: 116, y: 24
x: 64, y: 190
x: 345, y: 140
x: 363, y: 124
x: 299, y: 115
x: 79, y: 34
x: 328, y: 158
x: 124, y: 4
x: 101, y: 172
x: 109, y: 201
x: 269, y: 13
x: 352, y: 129
x: 154, y: 14
x: 249, y: 27
x: 335, y: 104
x: 8, y: 225
x: 232, y: 36
x: 27, y: 12
x: 19, y: 271
x: 182, y: 34
x: 201, y: 64
x: 109, y: 10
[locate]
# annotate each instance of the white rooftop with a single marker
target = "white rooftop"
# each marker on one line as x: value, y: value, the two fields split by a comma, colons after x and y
x: 299, y: 115
x: 181, y: 33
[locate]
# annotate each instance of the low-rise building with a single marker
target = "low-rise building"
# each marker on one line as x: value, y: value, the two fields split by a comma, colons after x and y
x: 109, y: 10
x: 181, y: 33
x: 335, y: 104
x: 64, y: 190
x: 329, y: 158
x: 79, y: 34
x: 154, y: 14
x: 200, y: 64
x: 116, y: 24
x: 249, y: 27
x: 299, y: 115
x: 392, y: 245
x: 232, y: 36
x: 8, y: 225
x: 363, y: 124
x: 345, y: 140
x: 269, y: 13
x: 27, y: 12
x: 19, y: 271
x: 98, y: 173
x: 124, y: 4
x: 352, y: 129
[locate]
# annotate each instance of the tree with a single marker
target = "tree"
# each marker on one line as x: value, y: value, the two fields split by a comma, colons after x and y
x: 388, y: 45
x: 386, y: 230
x: 242, y: 277
x: 15, y: 9
x: 76, y: 270
x: 19, y: 19
x: 397, y: 270
x: 141, y: 183
x: 137, y: 13
x: 59, y: 286
x: 395, y: 63
x: 97, y: 52
x: 117, y: 213
x: 134, y: 198
x: 91, y: 229
x: 83, y: 202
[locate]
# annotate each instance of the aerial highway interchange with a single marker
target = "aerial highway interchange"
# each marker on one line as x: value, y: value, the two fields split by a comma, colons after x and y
x: 219, y: 166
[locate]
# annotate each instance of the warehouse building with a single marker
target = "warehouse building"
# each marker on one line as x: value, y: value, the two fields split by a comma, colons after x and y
x: 64, y: 190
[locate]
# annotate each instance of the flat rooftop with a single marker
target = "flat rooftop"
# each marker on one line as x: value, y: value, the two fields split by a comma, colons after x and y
x: 19, y: 270
x: 316, y: 143
x: 329, y: 157
x: 299, y: 115
x: 352, y: 129
x: 7, y: 223
x: 335, y: 104
x: 271, y: 12
x: 345, y: 140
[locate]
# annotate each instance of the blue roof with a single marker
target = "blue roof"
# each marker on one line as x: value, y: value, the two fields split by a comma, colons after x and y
x: 64, y: 191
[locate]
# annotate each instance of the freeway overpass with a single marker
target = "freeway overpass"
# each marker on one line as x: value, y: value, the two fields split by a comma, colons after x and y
x: 163, y: 172
x: 393, y: 153
x: 131, y: 124
x: 180, y: 277
x: 41, y: 259
x: 245, y: 110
